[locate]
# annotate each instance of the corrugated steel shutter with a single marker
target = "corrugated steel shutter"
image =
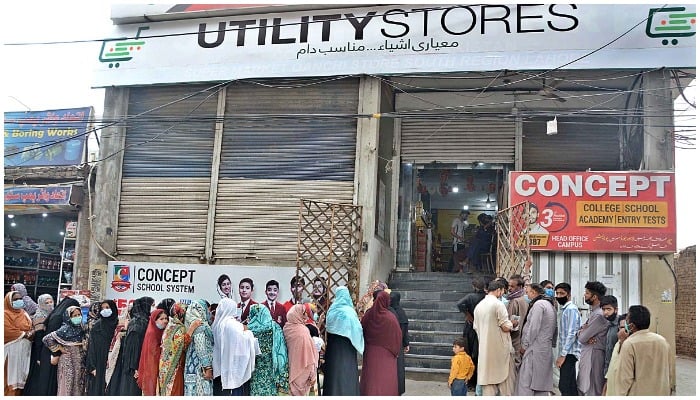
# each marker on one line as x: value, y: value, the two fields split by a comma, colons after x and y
x: 166, y: 173
x: 455, y: 140
x: 268, y: 164
x: 581, y: 143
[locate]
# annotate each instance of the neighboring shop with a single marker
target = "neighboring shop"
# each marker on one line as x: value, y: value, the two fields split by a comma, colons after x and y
x: 43, y: 198
x: 412, y: 112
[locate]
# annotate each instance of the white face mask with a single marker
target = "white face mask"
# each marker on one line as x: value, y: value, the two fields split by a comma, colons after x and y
x: 106, y: 313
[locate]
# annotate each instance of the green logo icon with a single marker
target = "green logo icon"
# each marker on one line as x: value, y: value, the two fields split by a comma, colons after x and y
x: 119, y: 50
x: 671, y: 22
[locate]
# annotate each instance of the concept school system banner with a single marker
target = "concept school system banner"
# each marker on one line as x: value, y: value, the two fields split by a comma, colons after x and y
x: 598, y: 211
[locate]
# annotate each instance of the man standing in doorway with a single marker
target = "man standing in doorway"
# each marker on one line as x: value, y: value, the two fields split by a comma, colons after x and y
x: 647, y: 366
x: 592, y: 336
x: 458, y: 247
x: 569, y: 348
x: 493, y: 327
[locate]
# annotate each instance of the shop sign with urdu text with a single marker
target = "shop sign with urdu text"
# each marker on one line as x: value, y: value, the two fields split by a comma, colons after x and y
x: 598, y: 211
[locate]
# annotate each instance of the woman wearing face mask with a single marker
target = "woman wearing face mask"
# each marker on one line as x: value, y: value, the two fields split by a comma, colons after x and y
x: 18, y: 332
x: 98, y: 347
x: 67, y: 351
x: 44, y: 308
x: 29, y: 305
x: 150, y: 352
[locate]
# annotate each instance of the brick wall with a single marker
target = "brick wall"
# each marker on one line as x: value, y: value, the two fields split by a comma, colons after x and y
x: 685, y: 306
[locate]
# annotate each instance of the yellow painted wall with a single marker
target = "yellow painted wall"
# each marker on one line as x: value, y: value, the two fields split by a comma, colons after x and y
x: 657, y: 278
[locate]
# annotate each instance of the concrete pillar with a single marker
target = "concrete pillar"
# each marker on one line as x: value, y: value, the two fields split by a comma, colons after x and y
x: 376, y: 262
x: 658, y: 121
x: 107, y: 178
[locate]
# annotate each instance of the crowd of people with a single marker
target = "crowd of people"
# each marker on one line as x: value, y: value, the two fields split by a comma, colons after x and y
x: 202, y: 349
x: 512, y: 328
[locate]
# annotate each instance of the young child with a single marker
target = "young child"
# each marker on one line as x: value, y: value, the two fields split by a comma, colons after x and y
x: 462, y: 368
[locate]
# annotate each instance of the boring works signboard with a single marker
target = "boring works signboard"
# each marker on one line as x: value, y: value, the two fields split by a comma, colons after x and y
x: 127, y: 281
x: 598, y: 211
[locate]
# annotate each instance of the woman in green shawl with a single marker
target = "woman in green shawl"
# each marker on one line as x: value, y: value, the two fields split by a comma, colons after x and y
x: 171, y: 376
x: 271, y: 374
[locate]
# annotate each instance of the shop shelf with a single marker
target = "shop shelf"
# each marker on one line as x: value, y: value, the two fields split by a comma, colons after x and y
x: 20, y: 267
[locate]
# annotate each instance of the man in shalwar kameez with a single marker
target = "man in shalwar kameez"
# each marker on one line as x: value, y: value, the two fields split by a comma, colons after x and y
x: 592, y: 337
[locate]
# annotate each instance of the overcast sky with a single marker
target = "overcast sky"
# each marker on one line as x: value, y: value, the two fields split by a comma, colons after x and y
x: 44, y: 77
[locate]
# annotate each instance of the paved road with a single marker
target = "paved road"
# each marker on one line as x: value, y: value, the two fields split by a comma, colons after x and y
x: 685, y: 382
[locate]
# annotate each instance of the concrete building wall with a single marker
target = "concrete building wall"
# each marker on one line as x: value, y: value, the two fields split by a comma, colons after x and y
x: 658, y: 295
x: 685, y: 307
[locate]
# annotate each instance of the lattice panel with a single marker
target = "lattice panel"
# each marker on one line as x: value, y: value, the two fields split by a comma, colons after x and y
x: 329, y: 244
x: 513, y: 240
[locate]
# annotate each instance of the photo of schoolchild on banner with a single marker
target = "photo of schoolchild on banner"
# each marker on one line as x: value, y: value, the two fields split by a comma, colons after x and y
x: 598, y: 211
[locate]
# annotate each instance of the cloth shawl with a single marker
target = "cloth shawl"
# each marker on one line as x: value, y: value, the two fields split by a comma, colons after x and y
x: 166, y: 305
x: 70, y: 333
x: 260, y: 323
x: 226, y: 309
x: 380, y: 326
x: 367, y: 300
x: 198, y: 311
x: 173, y: 348
x: 104, y: 327
x: 55, y: 319
x: 17, y: 321
x: 302, y: 353
x: 516, y: 294
x: 116, y: 344
x: 29, y: 305
x: 150, y: 355
x: 42, y: 311
x: 342, y: 319
x: 236, y: 348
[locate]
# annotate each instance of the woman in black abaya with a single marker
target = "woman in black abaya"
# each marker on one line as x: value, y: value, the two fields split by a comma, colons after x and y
x: 131, y: 349
x: 43, y: 380
x: 396, y: 308
x: 98, y: 347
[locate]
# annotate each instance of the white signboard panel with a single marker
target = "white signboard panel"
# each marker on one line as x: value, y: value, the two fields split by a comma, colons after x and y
x: 127, y: 281
x: 391, y: 39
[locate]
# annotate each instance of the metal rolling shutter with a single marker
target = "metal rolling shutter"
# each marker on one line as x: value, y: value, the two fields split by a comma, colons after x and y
x: 268, y: 164
x: 166, y: 174
x: 581, y: 143
x: 455, y: 140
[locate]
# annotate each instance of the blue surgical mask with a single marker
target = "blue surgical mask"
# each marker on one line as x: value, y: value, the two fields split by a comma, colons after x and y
x: 627, y: 328
x: 76, y: 320
x: 17, y: 304
x: 527, y: 299
x: 504, y: 300
x: 160, y: 326
x: 315, y: 316
x: 549, y: 292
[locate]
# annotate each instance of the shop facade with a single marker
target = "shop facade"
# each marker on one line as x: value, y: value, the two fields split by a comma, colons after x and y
x: 385, y: 107
x: 45, y: 174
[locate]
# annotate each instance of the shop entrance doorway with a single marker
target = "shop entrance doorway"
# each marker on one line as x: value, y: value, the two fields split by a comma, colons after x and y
x: 434, y: 198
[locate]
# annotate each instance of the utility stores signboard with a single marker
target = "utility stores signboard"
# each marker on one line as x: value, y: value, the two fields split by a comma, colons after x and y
x: 389, y: 39
x: 598, y: 211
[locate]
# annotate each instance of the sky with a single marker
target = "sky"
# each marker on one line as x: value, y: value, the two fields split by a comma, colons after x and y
x: 56, y: 76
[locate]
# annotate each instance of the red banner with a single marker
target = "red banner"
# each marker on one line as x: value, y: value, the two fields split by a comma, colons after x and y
x: 598, y: 211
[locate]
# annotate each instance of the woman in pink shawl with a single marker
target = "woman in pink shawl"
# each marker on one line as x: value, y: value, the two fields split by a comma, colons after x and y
x: 382, y: 346
x: 302, y: 354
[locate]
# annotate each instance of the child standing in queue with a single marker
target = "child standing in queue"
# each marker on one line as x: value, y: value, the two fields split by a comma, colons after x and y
x: 462, y: 368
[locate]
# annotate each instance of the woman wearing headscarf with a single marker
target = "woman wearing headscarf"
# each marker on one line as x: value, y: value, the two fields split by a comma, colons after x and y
x: 131, y: 347
x: 382, y: 346
x: 166, y: 305
x: 45, y: 306
x: 44, y: 382
x: 68, y: 352
x: 397, y: 310
x: 271, y: 374
x: 302, y: 354
x: 113, y: 373
x: 18, y: 347
x: 150, y: 352
x: 29, y: 305
x: 345, y: 340
x: 234, y: 350
x: 98, y: 347
x: 366, y: 301
x: 176, y: 340
x: 198, y: 359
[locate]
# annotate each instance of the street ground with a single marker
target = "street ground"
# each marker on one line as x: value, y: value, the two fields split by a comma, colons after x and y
x: 685, y: 382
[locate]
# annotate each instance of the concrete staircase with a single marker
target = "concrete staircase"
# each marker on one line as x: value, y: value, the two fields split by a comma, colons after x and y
x: 429, y: 299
